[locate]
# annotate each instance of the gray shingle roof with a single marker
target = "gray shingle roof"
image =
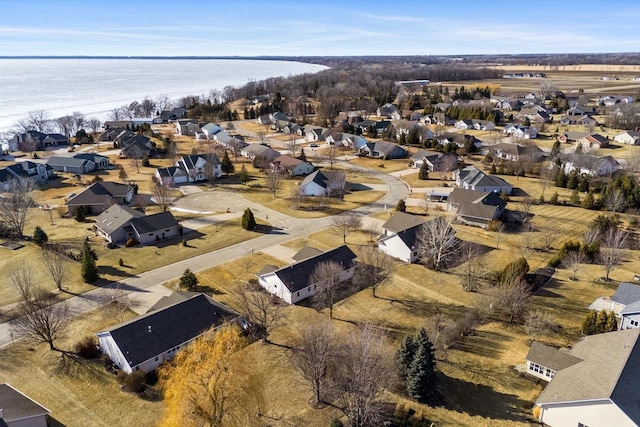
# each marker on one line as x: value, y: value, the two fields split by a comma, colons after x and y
x: 16, y: 405
x: 154, y: 333
x: 550, y: 357
x: 306, y: 252
x: 626, y: 293
x: 155, y: 222
x: 609, y: 370
x: 115, y: 217
x: 402, y: 221
x: 99, y: 193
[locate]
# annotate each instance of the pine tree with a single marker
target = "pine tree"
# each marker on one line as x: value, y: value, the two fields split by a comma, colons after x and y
x: 574, y: 199
x: 587, y: 202
x: 423, y: 174
x: 243, y: 175
x: 612, y: 322
x: 421, y: 375
x: 80, y: 214
x: 401, y: 206
x: 493, y: 170
x: 572, y: 181
x: 188, y: 280
x: 302, y: 156
x: 405, y: 356
x: 88, y: 268
x: 555, y: 150
x: 554, y: 198
x: 226, y: 165
x: 39, y: 236
x: 561, y: 179
x: 248, y: 220
x: 589, y: 323
x: 601, y: 322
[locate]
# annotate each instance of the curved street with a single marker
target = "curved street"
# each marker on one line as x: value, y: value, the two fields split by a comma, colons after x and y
x: 290, y: 228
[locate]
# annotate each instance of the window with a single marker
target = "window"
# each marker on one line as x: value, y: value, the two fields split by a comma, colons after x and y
x: 536, y: 368
x: 549, y: 373
x: 298, y: 293
x: 156, y: 358
x: 634, y: 323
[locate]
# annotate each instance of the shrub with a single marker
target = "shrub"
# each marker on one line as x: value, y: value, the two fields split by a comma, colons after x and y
x: 401, y: 206
x: 513, y: 270
x: 87, y: 348
x: 135, y: 381
x: 120, y: 262
x: 131, y: 242
x: 80, y: 214
x: 248, y: 220
x: 188, y: 280
x: 184, y: 243
x: 336, y: 423
x: 145, y: 161
x: 39, y: 236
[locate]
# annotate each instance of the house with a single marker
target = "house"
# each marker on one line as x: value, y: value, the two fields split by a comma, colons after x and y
x: 99, y: 196
x: 313, y: 133
x: 200, y: 167
x: 483, y: 124
x: 593, y: 141
x: 626, y: 304
x: 148, y: 340
x: 520, y: 132
x: 631, y: 137
x: 401, y: 221
x: 599, y: 389
x: 399, y: 234
x: 77, y: 166
x: 472, y: 178
x: 291, y: 166
x: 586, y: 121
x: 136, y: 147
x: 589, y: 164
x: 474, y: 207
x: 401, y: 245
x: 306, y: 252
x: 292, y: 283
x: 460, y: 140
x: 324, y: 183
x: 383, y: 149
x: 387, y: 110
x: 118, y: 224
x: 29, y: 171
x: 55, y: 139
x: 19, y: 410
x: 581, y: 111
x: 186, y: 127
x: 436, y: 161
x: 35, y: 140
x: 171, y: 175
x: 251, y: 151
x: 210, y: 129
x: 572, y: 136
x: 544, y: 362
x: 463, y: 124
x: 516, y: 152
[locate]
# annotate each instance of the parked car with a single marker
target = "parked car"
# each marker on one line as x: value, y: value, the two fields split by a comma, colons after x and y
x: 313, y: 144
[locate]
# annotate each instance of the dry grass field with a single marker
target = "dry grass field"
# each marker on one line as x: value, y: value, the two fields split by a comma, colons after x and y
x: 387, y: 166
x: 80, y: 394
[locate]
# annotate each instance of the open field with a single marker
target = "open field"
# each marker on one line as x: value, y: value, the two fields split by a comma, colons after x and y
x: 386, y: 166
x: 78, y: 394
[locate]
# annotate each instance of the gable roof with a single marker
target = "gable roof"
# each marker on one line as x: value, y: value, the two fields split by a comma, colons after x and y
x: 323, y: 178
x: 115, y: 217
x: 287, y: 162
x: 626, y: 293
x: 149, y: 224
x: 306, y: 252
x: 462, y: 196
x: 402, y: 221
x: 297, y: 276
x: 153, y: 333
x: 550, y: 357
x: 173, y: 298
x: 100, y: 192
x: 16, y: 405
x: 608, y: 370
x: 63, y: 161
x: 408, y: 236
x: 475, y: 177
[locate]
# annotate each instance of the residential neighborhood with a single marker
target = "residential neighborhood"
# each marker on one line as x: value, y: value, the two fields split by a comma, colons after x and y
x: 461, y: 245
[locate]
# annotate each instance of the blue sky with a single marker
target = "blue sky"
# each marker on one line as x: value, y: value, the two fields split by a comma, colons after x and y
x: 304, y: 28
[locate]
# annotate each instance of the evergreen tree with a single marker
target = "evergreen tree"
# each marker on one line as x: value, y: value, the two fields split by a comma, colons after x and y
x: 572, y: 181
x: 248, y: 220
x: 587, y: 202
x: 589, y: 323
x: 554, y: 198
x: 583, y: 185
x: 421, y: 375
x: 555, y: 150
x: 574, y: 199
x: 39, y: 236
x: 405, y: 355
x: 601, y: 322
x: 423, y: 174
x: 80, y: 214
x: 188, y: 280
x: 243, y: 175
x: 561, y: 179
x: 612, y: 322
x: 302, y: 156
x: 493, y: 170
x: 226, y: 165
x: 401, y: 206
x: 88, y: 268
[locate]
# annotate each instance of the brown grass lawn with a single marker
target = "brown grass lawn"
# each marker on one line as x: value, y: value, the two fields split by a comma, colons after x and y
x: 436, y: 179
x: 82, y: 394
x: 387, y: 166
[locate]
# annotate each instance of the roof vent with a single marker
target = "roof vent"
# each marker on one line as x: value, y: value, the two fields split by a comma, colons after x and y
x: 149, y: 329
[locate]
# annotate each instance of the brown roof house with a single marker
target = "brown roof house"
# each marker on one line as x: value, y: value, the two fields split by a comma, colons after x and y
x: 291, y: 166
x: 594, y: 384
x: 477, y: 208
x: 18, y: 410
x: 99, y: 196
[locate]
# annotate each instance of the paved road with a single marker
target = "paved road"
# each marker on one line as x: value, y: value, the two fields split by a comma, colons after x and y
x: 292, y: 228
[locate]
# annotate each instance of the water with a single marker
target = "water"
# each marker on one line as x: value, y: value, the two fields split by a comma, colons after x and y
x: 96, y: 86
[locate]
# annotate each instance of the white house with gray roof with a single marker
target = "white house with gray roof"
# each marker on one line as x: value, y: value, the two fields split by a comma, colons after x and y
x: 600, y: 389
x: 399, y: 234
x: 625, y: 302
x: 472, y: 178
x: 121, y: 223
x: 19, y: 410
x: 323, y: 183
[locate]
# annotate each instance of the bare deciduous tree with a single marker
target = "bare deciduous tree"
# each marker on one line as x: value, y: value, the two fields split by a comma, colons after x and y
x: 262, y: 136
x: 538, y: 322
x: 326, y: 279
x: 330, y: 155
x: 94, y: 124
x: 615, y: 201
x: 549, y: 235
x: 373, y: 231
x: 511, y: 297
x: 474, y: 271
x: 373, y: 268
x: 360, y: 375
x: 56, y: 264
x: 573, y: 261
x: 38, y: 120
x: 273, y: 181
x: 161, y: 195
x: 311, y: 353
x: 611, y: 252
x: 14, y: 207
x: 40, y: 316
x: 259, y: 309
x: 343, y: 225
x: 436, y: 242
